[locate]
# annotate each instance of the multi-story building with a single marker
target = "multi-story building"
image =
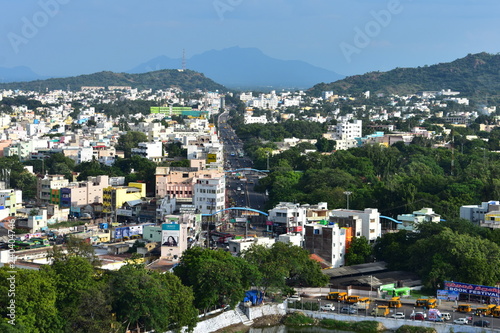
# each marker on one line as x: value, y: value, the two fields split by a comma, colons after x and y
x: 286, y: 218
x: 10, y: 201
x: 47, y: 186
x: 476, y: 213
x: 410, y: 221
x: 115, y: 196
x: 209, y: 193
x: 85, y: 192
x: 345, y: 134
x: 178, y: 233
x: 329, y: 242
x: 151, y: 150
x: 365, y: 223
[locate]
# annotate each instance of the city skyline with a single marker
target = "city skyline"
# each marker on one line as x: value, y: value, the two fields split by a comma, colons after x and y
x: 65, y: 38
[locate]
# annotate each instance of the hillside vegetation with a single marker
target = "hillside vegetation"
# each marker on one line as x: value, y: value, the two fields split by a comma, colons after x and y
x: 476, y: 75
x: 186, y: 80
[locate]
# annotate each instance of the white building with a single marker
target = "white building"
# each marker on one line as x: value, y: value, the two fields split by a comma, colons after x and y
x: 326, y: 241
x: 476, y: 213
x: 149, y: 150
x: 410, y: 221
x: 287, y: 218
x: 369, y: 222
x: 345, y: 134
x: 209, y: 193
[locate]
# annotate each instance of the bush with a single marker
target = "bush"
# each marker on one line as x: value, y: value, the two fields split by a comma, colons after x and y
x: 415, y: 329
x: 298, y: 319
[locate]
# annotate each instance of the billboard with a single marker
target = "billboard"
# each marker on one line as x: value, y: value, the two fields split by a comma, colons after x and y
x: 170, y: 234
x: 448, y: 295
x: 471, y: 289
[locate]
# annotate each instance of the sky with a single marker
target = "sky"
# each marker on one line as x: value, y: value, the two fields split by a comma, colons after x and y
x: 71, y: 37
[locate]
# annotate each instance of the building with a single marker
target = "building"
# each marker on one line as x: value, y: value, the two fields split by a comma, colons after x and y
x: 84, y: 192
x: 178, y: 233
x: 365, y: 223
x: 328, y: 241
x: 477, y: 213
x: 153, y: 151
x: 209, y: 193
x: 286, y: 218
x: 115, y: 196
x: 410, y: 221
x: 47, y: 188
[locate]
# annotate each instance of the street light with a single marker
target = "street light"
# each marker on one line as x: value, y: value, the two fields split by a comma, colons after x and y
x: 347, y: 193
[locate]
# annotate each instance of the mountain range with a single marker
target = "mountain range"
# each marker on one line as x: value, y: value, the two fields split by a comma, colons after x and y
x: 475, y: 75
x: 247, y: 68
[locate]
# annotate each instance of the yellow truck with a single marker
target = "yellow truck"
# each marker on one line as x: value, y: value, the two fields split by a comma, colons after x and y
x: 380, y: 311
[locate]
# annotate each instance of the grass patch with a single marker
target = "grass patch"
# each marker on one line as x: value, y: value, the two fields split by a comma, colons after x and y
x: 367, y: 326
x: 66, y: 224
x: 298, y: 319
x: 415, y: 329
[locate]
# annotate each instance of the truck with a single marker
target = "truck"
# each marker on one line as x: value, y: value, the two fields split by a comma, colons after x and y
x: 434, y: 315
x: 380, y: 311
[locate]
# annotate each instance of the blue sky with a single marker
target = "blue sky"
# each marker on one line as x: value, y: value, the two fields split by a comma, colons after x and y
x: 71, y: 37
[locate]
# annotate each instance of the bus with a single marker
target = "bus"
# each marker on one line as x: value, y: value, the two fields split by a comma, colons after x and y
x: 484, y: 310
x: 395, y: 302
x: 363, y: 303
x: 429, y: 303
x: 337, y: 296
x: 352, y: 299
x: 464, y: 308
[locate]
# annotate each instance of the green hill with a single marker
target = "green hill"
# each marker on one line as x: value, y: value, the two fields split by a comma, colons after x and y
x: 186, y: 80
x: 476, y: 75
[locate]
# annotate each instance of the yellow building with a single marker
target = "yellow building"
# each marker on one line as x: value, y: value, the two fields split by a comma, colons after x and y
x: 115, y: 196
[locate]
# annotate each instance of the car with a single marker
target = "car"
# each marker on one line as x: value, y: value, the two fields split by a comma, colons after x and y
x: 294, y: 298
x: 328, y: 307
x: 348, y: 310
x: 481, y: 323
x: 446, y: 316
x: 461, y: 321
x: 418, y: 316
x: 398, y: 315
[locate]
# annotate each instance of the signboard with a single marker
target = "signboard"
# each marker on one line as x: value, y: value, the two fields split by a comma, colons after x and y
x: 211, y: 158
x: 240, y: 219
x: 170, y: 234
x: 471, y: 289
x: 448, y: 295
x: 269, y: 222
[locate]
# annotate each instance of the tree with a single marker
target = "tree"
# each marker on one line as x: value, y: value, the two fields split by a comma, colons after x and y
x: 216, y: 277
x: 146, y: 300
x: 35, y: 301
x: 359, y: 251
x: 130, y: 140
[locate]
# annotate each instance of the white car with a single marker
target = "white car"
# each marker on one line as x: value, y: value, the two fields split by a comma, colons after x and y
x: 461, y: 321
x: 294, y: 298
x: 328, y: 307
x: 398, y: 315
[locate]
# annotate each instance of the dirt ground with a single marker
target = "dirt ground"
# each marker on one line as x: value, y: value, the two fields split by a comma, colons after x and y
x: 260, y: 322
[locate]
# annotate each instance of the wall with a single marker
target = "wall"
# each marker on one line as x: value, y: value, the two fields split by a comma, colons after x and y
x: 393, y: 324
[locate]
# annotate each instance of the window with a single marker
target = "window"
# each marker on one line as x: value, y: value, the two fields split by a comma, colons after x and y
x: 372, y: 231
x: 316, y: 231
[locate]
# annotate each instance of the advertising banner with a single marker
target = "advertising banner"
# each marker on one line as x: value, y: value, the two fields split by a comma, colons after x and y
x: 471, y: 289
x: 448, y: 295
x: 170, y: 234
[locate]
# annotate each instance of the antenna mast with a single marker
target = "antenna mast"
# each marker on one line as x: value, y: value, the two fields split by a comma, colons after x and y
x: 183, y: 59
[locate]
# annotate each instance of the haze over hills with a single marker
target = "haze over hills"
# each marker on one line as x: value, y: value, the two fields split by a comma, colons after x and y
x: 247, y: 68
x: 19, y: 73
x: 186, y: 80
x: 476, y: 75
